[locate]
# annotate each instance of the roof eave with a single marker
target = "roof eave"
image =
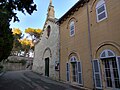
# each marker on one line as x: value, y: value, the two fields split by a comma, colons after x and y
x: 71, y: 11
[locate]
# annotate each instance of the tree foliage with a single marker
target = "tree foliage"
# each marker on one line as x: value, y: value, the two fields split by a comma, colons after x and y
x: 17, y: 34
x: 8, y: 11
x: 10, y: 6
x: 16, y: 31
x: 26, y: 45
x: 6, y: 38
x: 34, y: 33
x: 20, y: 44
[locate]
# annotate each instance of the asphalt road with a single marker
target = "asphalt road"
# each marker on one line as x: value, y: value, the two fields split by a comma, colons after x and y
x: 28, y: 80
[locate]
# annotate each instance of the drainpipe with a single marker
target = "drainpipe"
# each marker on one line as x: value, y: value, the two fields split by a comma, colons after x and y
x: 59, y: 48
x: 89, y: 43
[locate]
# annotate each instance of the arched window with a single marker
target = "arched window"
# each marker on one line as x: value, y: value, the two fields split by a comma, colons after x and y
x: 101, y: 12
x: 73, y: 59
x: 107, y: 53
x: 48, y: 31
x: 72, y: 28
x: 111, y: 64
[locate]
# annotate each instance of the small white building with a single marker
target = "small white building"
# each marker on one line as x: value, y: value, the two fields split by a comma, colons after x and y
x: 46, y: 59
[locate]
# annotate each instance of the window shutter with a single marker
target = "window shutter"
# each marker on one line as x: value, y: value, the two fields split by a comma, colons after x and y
x: 118, y: 65
x: 67, y: 72
x: 97, y: 75
x: 79, y: 70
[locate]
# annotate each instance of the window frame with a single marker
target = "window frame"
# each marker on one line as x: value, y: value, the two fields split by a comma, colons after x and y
x: 73, y: 59
x: 74, y: 71
x: 98, y: 6
x: 72, y: 23
x: 111, y: 73
x: 106, y: 54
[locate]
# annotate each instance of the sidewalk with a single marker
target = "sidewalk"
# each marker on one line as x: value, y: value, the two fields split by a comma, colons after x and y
x: 27, y: 80
x: 61, y: 83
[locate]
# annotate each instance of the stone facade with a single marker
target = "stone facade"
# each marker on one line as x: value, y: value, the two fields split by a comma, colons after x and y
x: 47, y: 49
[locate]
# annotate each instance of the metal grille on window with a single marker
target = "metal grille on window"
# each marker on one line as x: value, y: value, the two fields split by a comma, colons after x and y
x: 112, y: 72
x: 74, y: 71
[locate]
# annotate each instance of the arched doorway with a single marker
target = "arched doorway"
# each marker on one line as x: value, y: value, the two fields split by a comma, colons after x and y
x: 73, y: 61
x: 46, y: 58
x: 74, y: 70
x: 111, y: 66
x: 47, y: 66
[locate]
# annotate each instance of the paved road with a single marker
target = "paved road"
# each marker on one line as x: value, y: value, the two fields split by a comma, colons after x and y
x: 27, y: 80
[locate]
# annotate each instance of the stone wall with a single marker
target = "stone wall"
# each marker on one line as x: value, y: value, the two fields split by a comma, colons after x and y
x: 19, y: 58
x: 47, y: 48
x: 14, y: 66
x: 14, y: 63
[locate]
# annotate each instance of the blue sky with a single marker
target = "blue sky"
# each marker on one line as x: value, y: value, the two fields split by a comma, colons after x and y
x: 37, y: 19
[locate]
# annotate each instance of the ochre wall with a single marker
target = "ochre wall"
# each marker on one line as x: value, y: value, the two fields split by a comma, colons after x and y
x: 108, y: 30
x: 77, y: 44
x: 104, y: 35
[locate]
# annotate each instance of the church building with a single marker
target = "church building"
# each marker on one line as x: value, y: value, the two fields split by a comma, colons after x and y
x: 46, y: 59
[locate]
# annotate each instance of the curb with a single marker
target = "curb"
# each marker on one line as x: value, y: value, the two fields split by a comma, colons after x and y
x: 77, y: 87
x: 73, y: 86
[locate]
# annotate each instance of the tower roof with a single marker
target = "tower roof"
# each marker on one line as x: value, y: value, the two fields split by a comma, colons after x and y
x: 50, y: 2
x: 51, y: 11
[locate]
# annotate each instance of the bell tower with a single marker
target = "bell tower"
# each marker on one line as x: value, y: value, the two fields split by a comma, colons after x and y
x: 51, y: 12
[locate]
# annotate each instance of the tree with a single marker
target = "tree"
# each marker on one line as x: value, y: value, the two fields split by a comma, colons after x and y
x: 10, y: 6
x: 6, y: 38
x: 17, y: 34
x: 34, y: 33
x: 20, y: 44
x: 26, y: 45
x: 8, y: 10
